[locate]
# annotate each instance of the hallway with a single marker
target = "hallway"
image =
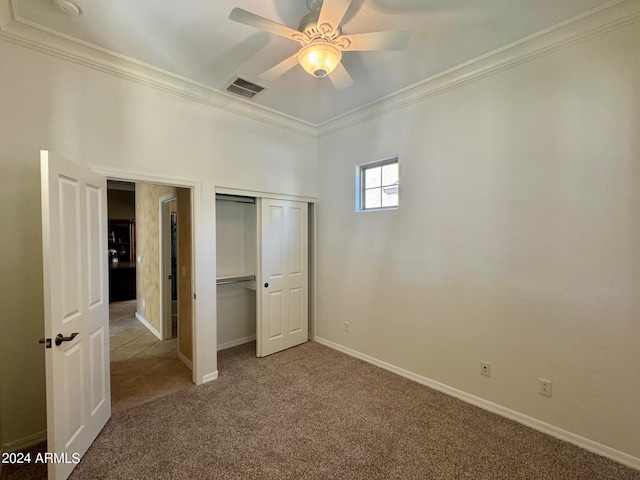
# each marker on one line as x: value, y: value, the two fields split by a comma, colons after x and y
x: 143, y: 368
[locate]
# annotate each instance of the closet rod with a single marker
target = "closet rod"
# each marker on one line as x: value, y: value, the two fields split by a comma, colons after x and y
x: 227, y: 280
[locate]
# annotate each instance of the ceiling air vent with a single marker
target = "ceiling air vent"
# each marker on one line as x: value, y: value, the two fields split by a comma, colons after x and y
x: 244, y: 88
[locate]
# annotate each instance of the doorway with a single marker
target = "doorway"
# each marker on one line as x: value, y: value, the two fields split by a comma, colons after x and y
x: 76, y: 291
x: 169, y: 266
x: 151, y: 358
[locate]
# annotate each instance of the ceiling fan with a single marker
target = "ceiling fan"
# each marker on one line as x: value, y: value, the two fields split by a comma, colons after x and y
x: 322, y: 42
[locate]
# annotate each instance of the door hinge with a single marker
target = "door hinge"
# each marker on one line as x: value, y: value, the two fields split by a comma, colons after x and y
x: 46, y: 341
x: 194, y: 296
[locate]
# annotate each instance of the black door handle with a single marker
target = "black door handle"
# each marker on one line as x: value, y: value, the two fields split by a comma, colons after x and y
x: 266, y: 285
x: 60, y: 338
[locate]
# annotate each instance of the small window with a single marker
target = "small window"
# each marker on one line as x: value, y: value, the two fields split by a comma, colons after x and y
x: 377, y: 185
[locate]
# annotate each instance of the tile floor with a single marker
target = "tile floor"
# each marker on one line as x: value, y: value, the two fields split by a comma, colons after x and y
x: 143, y: 368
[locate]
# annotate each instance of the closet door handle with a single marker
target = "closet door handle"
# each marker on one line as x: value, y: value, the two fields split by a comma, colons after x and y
x: 266, y: 285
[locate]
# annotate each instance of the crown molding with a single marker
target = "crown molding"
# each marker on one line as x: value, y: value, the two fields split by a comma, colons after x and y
x: 25, y: 33
x: 611, y: 16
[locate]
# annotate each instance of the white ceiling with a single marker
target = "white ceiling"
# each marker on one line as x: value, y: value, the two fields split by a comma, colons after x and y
x: 195, y: 39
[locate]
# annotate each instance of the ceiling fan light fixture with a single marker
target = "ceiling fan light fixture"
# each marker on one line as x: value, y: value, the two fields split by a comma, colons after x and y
x: 319, y: 59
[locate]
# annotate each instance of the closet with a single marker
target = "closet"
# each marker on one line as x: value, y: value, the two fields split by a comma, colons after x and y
x: 236, y: 254
x: 262, y: 247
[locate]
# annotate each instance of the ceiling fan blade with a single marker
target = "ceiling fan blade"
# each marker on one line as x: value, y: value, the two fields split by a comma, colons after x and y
x: 332, y: 12
x: 340, y: 78
x: 280, y: 69
x: 242, y: 16
x: 388, y: 40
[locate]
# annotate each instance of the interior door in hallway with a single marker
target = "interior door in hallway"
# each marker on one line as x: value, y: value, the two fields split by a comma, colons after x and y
x: 76, y: 299
x: 283, y: 309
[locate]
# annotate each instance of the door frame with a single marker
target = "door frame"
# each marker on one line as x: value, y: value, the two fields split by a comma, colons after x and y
x: 204, y: 331
x: 165, y: 258
x: 312, y: 206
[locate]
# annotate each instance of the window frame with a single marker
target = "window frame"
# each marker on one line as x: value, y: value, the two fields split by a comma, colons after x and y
x: 360, y: 183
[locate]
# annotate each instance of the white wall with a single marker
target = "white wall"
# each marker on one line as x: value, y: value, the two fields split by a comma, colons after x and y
x: 516, y: 240
x: 104, y: 121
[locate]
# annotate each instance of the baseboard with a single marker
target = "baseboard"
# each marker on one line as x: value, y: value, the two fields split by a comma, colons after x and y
x: 235, y: 343
x: 531, y: 422
x: 185, y: 360
x: 209, y: 377
x: 25, y: 442
x: 151, y: 328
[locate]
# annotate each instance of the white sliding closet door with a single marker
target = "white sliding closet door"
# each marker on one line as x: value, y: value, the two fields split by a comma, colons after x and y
x: 283, y: 319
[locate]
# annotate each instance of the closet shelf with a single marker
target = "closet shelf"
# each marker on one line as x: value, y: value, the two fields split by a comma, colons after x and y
x: 235, y: 279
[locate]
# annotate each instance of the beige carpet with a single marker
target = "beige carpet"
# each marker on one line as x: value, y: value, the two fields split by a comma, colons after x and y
x: 313, y: 413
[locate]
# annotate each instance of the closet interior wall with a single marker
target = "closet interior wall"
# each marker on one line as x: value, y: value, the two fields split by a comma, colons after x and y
x: 236, y: 251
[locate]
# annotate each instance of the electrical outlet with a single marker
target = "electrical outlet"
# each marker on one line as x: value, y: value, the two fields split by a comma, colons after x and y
x: 544, y: 387
x: 485, y: 369
x: 346, y: 327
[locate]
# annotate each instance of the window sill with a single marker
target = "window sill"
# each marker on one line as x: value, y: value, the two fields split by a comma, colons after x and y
x: 381, y: 209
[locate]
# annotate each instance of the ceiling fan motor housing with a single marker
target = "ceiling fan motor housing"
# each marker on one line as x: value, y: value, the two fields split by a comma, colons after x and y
x: 314, y: 5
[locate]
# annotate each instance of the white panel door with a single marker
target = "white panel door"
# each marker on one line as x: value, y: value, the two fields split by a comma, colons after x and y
x: 283, y: 309
x: 76, y: 298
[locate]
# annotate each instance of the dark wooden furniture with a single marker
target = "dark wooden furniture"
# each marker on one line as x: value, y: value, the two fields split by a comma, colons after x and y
x: 122, y: 260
